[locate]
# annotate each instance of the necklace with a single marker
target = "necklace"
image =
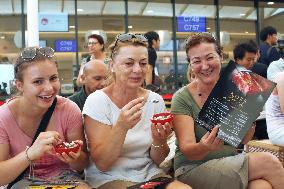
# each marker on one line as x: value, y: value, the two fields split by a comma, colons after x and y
x: 199, y: 94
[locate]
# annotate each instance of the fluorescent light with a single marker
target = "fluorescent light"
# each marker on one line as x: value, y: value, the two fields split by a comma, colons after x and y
x: 270, y: 3
x: 246, y: 32
x: 71, y: 27
x: 208, y: 28
x: 80, y: 10
x: 242, y: 14
x: 150, y: 11
x: 2, y: 37
x: 130, y: 27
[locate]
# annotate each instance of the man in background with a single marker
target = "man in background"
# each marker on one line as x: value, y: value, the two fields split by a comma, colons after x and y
x: 244, y: 55
x: 93, y: 78
x: 153, y: 45
x: 268, y: 52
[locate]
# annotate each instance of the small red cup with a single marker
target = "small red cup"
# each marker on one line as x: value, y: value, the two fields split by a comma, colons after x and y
x: 162, y: 118
x: 63, y: 147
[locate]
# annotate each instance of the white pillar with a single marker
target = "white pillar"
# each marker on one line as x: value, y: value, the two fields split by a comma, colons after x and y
x: 32, y: 23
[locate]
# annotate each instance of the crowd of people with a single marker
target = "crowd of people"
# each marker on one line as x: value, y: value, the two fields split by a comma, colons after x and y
x: 110, y: 120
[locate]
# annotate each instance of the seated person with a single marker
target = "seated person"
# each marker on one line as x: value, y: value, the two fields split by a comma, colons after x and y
x: 275, y: 112
x: 125, y: 147
x: 202, y: 160
x: 92, y: 79
x: 37, y: 81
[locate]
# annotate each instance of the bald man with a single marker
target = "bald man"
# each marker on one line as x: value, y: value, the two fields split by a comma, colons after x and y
x: 93, y: 77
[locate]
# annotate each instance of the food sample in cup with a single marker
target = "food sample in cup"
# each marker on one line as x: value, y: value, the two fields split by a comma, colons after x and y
x: 162, y: 118
x: 67, y: 147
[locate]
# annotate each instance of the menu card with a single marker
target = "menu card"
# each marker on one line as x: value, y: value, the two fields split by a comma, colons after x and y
x: 234, y: 103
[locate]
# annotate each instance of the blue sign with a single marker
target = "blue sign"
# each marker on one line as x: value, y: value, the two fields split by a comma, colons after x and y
x: 53, y: 22
x: 191, y: 24
x: 65, y: 45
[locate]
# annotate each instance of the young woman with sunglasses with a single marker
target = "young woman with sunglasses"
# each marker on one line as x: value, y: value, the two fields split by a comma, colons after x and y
x: 125, y: 147
x: 203, y: 160
x: 36, y: 78
x: 96, y: 47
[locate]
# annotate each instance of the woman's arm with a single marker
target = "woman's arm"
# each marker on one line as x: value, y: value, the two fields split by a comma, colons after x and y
x: 105, y: 141
x: 18, y: 164
x: 184, y: 129
x: 280, y: 90
x: 159, y: 149
x: 79, y: 160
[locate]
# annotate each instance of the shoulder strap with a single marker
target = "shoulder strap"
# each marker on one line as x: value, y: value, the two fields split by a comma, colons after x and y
x: 42, y: 126
x: 268, y: 52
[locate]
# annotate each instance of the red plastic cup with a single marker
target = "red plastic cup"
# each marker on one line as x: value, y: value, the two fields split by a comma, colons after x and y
x: 162, y: 118
x: 67, y: 147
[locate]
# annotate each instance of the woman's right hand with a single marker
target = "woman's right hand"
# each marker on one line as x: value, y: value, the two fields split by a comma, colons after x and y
x: 210, y: 142
x: 131, y: 113
x: 43, y: 144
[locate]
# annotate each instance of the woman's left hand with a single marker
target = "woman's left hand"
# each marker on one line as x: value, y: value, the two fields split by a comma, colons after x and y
x: 70, y: 157
x: 161, y: 132
x: 249, y: 134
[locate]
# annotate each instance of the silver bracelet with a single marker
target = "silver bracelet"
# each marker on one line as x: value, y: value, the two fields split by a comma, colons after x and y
x: 158, y: 146
x: 27, y: 156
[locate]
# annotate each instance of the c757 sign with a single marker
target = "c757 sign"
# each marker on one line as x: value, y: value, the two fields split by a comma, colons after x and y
x: 191, y: 23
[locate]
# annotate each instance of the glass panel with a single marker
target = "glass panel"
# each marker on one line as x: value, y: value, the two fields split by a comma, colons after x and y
x: 156, y: 16
x: 272, y: 14
x: 10, y: 44
x: 101, y: 17
x: 237, y: 24
x: 56, y: 26
x: 196, y: 16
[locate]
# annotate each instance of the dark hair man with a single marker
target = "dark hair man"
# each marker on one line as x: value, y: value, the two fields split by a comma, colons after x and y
x: 244, y: 55
x: 153, y: 45
x: 268, y: 53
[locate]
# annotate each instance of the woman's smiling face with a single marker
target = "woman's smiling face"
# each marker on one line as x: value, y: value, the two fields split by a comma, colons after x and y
x: 130, y: 65
x: 205, y: 62
x: 40, y: 83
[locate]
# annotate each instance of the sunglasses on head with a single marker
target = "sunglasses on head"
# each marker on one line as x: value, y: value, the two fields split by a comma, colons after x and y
x: 128, y: 37
x: 30, y: 53
x: 200, y: 34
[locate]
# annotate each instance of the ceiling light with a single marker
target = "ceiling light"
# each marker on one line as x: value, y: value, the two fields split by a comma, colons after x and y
x: 2, y: 37
x: 208, y: 28
x: 242, y: 14
x: 270, y: 3
x: 150, y: 11
x: 130, y: 27
x: 80, y: 10
x: 246, y: 32
x: 71, y: 27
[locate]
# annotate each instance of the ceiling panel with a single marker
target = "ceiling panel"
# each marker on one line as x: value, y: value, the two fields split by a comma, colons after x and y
x: 90, y: 7
x: 278, y: 11
x: 200, y: 10
x: 6, y: 7
x: 158, y: 9
x: 136, y: 8
x: 114, y: 8
x: 18, y: 7
x: 50, y: 6
x: 234, y: 12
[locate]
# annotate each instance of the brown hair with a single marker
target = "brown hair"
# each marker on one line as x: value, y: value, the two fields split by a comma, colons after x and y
x: 117, y: 44
x: 100, y: 40
x: 199, y: 38
x: 21, y: 63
